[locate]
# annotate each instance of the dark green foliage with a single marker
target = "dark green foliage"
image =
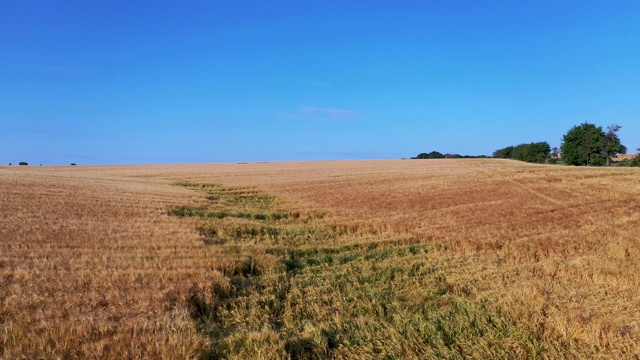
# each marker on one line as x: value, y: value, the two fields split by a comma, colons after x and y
x: 538, y: 152
x: 598, y: 160
x: 504, y: 153
x: 295, y: 262
x: 458, y: 156
x: 439, y: 155
x: 588, y: 144
x: 74, y: 164
x: 23, y: 163
x: 431, y: 155
x: 534, y: 152
x: 612, y: 145
x: 634, y: 161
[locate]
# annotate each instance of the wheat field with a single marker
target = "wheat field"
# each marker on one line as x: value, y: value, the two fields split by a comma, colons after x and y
x: 451, y: 258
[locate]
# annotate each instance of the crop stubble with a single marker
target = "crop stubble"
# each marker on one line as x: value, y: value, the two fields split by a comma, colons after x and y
x: 91, y: 265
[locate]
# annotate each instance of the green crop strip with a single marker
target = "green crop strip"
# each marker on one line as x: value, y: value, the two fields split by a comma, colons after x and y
x: 301, y: 286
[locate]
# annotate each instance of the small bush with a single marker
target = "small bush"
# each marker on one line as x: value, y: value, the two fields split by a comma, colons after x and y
x: 23, y: 163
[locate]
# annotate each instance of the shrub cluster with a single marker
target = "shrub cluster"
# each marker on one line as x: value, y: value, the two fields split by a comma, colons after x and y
x: 538, y: 152
x: 439, y: 155
x: 633, y: 162
x: 431, y: 155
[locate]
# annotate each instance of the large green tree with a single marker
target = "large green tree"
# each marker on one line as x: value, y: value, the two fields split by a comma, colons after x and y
x: 588, y: 144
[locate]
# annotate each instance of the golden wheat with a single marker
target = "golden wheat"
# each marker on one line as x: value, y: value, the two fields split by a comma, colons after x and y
x: 424, y: 259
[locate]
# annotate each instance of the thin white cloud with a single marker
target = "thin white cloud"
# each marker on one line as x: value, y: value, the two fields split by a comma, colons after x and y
x: 327, y: 113
x: 341, y: 113
x: 64, y: 69
x: 322, y: 84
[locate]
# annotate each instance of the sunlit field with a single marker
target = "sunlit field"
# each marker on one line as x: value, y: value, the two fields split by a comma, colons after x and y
x: 478, y: 258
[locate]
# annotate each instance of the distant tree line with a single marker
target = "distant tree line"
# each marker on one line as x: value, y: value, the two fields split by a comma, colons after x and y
x: 439, y: 155
x: 431, y: 155
x: 584, y: 144
x: 24, y: 163
x: 538, y: 152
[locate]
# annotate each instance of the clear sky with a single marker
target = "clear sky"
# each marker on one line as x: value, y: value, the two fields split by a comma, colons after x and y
x: 122, y: 82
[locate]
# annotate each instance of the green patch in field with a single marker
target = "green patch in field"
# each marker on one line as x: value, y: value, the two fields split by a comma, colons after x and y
x: 292, y: 285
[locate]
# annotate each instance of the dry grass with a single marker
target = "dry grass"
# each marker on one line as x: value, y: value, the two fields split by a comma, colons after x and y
x: 623, y: 157
x: 426, y: 259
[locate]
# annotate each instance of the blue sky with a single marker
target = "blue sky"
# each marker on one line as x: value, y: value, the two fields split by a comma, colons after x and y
x: 122, y: 82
